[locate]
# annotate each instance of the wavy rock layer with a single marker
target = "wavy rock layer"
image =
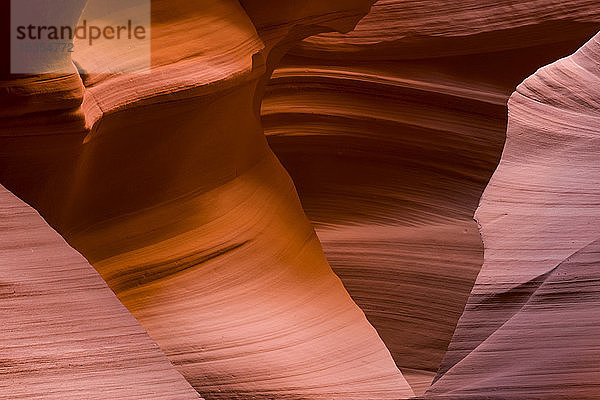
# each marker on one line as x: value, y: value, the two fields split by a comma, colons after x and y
x: 394, y: 221
x: 64, y: 334
x: 391, y: 133
x: 415, y: 29
x: 165, y: 182
x: 531, y: 325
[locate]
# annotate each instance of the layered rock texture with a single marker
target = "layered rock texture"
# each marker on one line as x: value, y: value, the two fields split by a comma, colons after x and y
x: 64, y: 334
x: 165, y: 182
x: 391, y: 133
x: 532, y: 322
x: 170, y: 184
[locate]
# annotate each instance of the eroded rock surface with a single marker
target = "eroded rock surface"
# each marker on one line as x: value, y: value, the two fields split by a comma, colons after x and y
x: 165, y: 182
x: 531, y: 326
x: 64, y: 334
x: 391, y: 133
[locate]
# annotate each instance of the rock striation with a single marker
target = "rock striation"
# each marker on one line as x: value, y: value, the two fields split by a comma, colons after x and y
x: 166, y: 184
x: 531, y: 324
x: 64, y: 334
x: 186, y: 188
x: 391, y: 133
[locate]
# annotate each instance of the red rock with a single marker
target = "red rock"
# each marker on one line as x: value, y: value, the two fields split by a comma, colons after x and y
x: 165, y: 182
x: 64, y: 334
x: 531, y: 325
x: 391, y: 133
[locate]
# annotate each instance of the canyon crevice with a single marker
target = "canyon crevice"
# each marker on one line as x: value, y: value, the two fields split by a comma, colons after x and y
x: 283, y: 206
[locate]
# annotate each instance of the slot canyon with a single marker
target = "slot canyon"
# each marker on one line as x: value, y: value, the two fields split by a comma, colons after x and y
x: 319, y: 200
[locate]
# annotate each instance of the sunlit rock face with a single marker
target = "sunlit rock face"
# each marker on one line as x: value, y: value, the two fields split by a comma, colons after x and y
x: 165, y: 182
x: 391, y: 133
x: 64, y: 334
x: 532, y: 322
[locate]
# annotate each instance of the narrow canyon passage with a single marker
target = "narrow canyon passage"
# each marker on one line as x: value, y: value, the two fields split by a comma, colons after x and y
x: 283, y: 205
x: 165, y: 183
x: 390, y: 158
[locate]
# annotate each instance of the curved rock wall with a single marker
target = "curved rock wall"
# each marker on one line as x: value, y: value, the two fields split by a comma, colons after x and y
x: 532, y: 321
x: 168, y: 185
x: 165, y: 182
x: 392, y: 131
x: 64, y: 334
